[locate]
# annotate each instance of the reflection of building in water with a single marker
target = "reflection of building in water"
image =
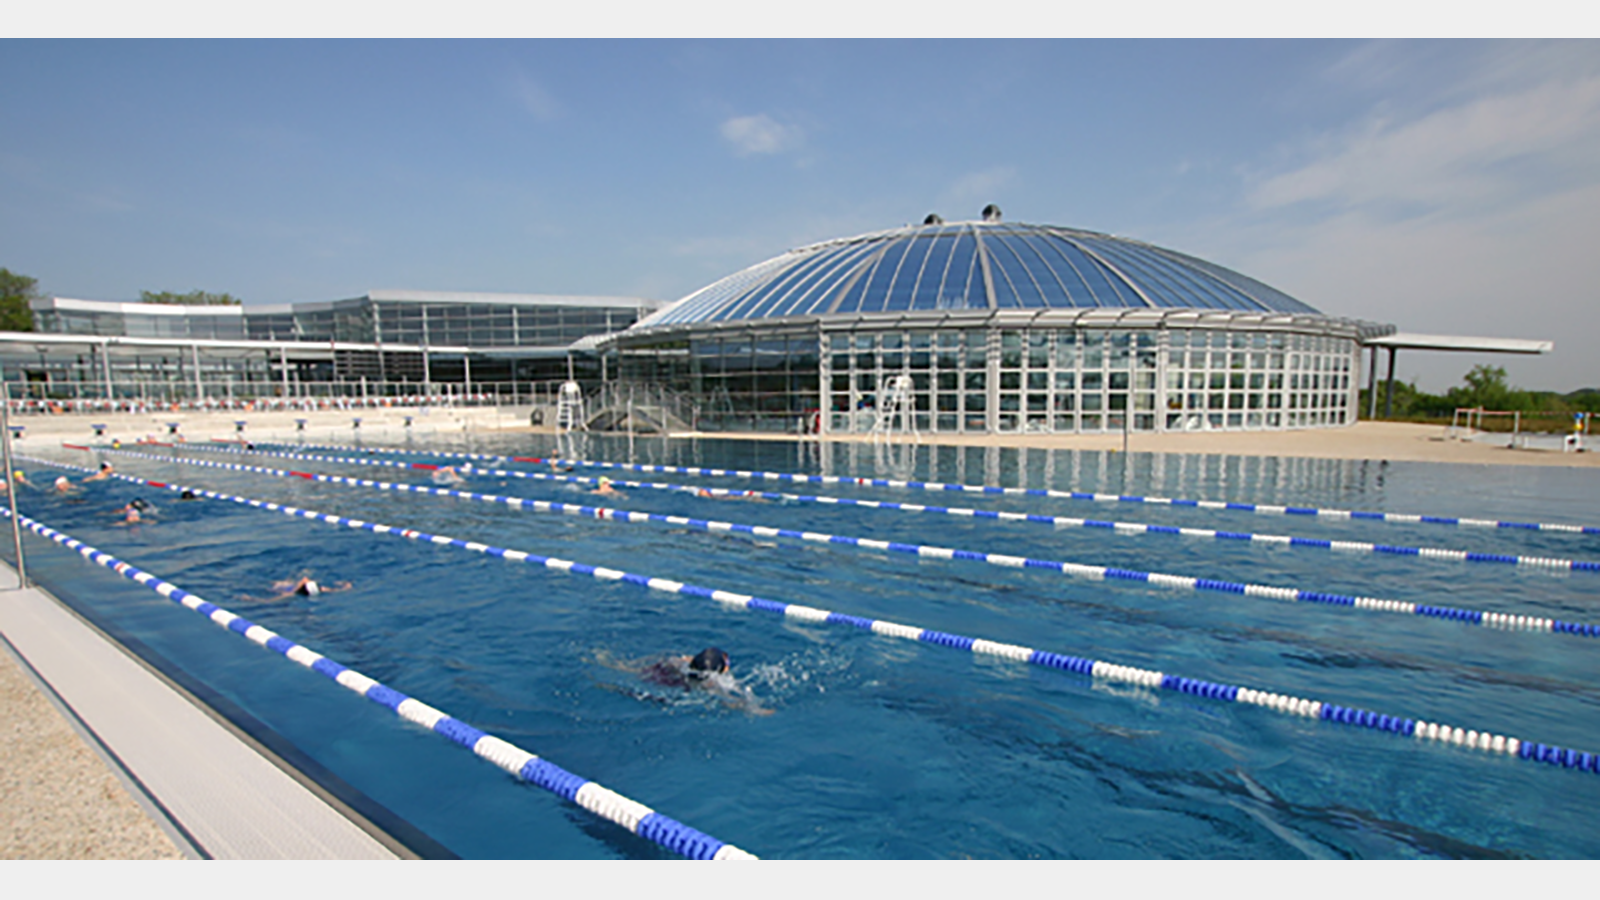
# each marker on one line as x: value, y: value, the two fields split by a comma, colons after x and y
x: 1263, y: 479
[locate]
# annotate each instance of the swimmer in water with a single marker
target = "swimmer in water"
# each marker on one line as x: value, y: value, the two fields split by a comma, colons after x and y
x: 63, y: 484
x: 604, y: 486
x: 105, y: 472
x: 136, y: 511
x: 305, y: 586
x: 710, y: 670
x: 752, y: 496
x: 448, y: 475
x: 188, y: 495
x: 21, y: 478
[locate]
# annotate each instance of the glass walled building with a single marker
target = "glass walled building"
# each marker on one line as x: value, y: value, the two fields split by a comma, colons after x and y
x: 381, y: 341
x: 1000, y: 328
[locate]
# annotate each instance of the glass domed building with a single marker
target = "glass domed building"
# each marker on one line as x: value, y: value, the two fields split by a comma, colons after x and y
x: 998, y: 327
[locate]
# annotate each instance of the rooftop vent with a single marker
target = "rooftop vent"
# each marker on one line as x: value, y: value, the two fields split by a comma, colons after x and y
x: 991, y: 213
x: 933, y: 219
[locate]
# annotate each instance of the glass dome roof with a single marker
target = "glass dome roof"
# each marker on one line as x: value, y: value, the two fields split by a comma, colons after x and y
x: 974, y: 265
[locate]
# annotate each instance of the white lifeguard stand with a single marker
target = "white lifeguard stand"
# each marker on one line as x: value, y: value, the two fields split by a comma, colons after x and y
x: 895, y: 412
x: 569, y: 408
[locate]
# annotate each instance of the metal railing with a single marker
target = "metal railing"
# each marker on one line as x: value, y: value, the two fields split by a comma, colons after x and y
x: 55, y: 398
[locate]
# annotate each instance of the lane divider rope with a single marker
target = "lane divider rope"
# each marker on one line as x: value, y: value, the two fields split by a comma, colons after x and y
x: 630, y: 814
x: 1516, y: 748
x: 1500, y: 621
x: 1260, y: 508
x: 1124, y: 528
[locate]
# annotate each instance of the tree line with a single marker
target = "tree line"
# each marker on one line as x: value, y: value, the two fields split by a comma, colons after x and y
x: 1485, y: 386
x: 18, y: 291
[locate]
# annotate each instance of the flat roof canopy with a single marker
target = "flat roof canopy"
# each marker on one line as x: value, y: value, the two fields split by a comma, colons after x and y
x: 1457, y: 342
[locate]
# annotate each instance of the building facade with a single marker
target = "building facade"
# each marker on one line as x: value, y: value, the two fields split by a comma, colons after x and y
x: 990, y: 327
x: 383, y: 342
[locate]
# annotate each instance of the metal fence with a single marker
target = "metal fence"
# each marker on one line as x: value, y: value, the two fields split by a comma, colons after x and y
x: 40, y: 398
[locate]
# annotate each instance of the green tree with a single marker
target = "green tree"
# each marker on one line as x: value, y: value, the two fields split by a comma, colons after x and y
x: 1486, y: 387
x: 193, y: 298
x: 16, y: 294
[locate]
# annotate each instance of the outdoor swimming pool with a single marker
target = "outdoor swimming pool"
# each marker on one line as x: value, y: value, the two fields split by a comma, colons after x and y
x: 879, y: 746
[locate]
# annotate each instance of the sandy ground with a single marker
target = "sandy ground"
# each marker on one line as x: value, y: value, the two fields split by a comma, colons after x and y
x: 58, y: 798
x: 1394, y: 441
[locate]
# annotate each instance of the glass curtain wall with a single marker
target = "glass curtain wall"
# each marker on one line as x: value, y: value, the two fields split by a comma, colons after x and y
x: 495, y: 325
x: 1062, y: 380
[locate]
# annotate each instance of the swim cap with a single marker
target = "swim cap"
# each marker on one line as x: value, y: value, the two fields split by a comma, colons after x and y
x: 63, y: 481
x: 309, y: 589
x: 708, y: 662
x: 187, y: 495
x: 140, y: 504
x: 17, y: 474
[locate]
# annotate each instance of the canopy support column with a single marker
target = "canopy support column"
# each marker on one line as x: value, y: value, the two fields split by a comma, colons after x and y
x: 1372, y: 384
x: 1388, y: 387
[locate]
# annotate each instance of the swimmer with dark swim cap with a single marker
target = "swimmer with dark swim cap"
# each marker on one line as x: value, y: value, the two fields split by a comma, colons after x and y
x: 105, y: 472
x: 708, y: 662
x: 306, y: 586
x: 709, y: 670
x: 135, y: 511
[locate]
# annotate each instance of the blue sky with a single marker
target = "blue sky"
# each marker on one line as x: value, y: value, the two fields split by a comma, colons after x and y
x: 1442, y: 186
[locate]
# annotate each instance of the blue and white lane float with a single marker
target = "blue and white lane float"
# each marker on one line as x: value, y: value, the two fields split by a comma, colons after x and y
x: 1260, y: 508
x: 1516, y: 748
x: 1125, y: 528
x: 609, y: 805
x: 1500, y: 621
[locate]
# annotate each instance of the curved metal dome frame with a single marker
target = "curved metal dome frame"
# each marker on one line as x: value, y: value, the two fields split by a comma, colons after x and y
x: 974, y: 266
x: 992, y: 327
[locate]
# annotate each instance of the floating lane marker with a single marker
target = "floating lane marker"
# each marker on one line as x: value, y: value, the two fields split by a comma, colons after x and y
x: 634, y: 816
x: 1262, y: 508
x: 1125, y: 528
x: 1501, y: 621
x: 1515, y: 748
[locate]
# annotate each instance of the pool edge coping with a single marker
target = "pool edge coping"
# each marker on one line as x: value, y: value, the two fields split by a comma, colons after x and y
x: 283, y: 784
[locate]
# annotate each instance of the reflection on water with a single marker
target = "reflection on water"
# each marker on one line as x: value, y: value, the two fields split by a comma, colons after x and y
x: 884, y: 747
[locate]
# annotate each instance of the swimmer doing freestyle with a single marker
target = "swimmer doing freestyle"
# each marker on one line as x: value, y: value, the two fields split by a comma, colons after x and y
x: 303, y: 586
x: 710, y: 671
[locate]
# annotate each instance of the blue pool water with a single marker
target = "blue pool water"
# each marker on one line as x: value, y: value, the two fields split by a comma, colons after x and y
x: 880, y: 747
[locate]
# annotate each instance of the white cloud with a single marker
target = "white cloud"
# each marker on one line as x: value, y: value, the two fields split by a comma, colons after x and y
x: 1462, y: 202
x: 759, y: 134
x: 1478, y: 150
x: 534, y: 97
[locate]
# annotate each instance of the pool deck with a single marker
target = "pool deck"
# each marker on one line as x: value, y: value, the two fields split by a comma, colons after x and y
x: 105, y: 759
x: 1393, y: 441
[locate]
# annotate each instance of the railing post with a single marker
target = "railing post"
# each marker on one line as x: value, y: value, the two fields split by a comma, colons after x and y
x: 11, y: 483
